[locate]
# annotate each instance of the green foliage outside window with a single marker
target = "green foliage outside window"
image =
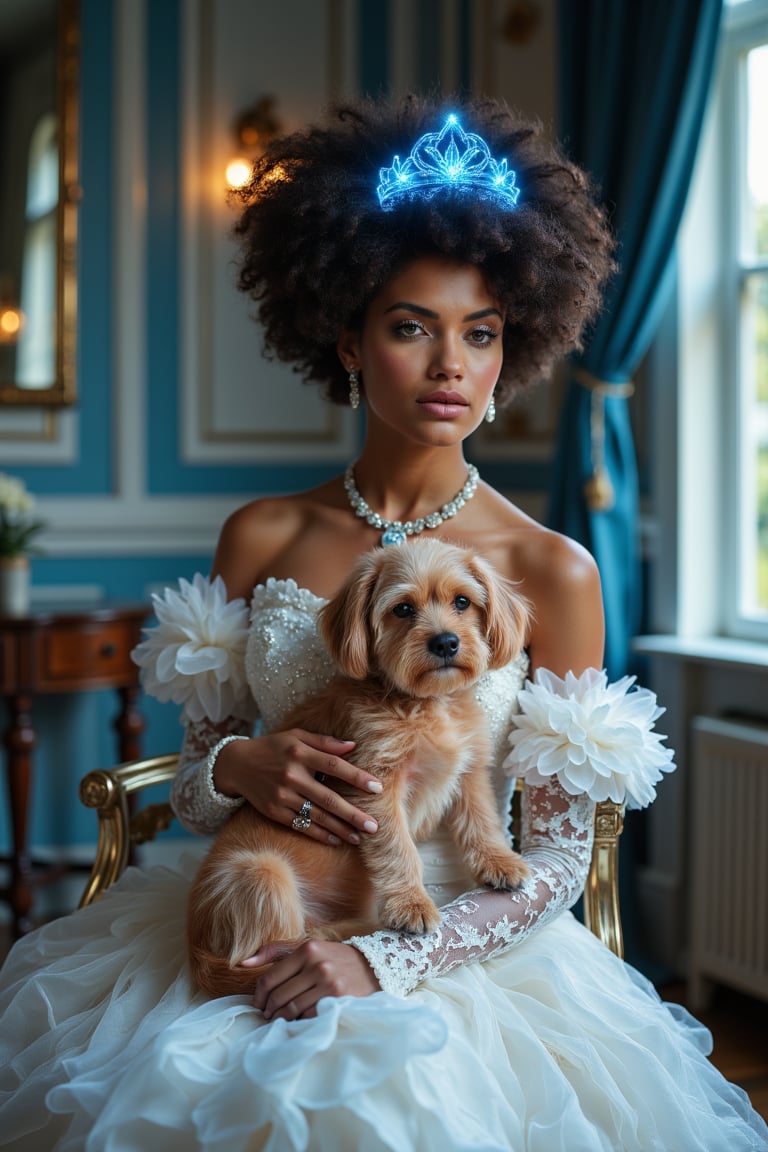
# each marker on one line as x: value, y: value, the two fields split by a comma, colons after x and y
x: 761, y: 365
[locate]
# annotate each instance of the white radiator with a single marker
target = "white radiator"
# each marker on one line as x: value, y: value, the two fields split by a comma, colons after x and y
x: 728, y: 859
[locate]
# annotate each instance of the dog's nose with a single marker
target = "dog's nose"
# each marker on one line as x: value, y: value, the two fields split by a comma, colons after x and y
x: 445, y: 645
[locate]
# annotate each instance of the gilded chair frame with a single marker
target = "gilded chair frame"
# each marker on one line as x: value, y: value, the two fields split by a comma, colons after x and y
x: 110, y: 792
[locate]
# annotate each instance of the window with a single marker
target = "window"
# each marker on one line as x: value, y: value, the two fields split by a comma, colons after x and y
x: 744, y: 96
x: 710, y: 432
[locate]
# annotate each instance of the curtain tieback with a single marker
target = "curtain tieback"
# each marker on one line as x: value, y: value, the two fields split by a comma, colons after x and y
x: 599, y: 491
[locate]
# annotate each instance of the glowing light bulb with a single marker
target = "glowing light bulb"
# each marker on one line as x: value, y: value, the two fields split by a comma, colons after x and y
x: 238, y: 172
x: 11, y: 321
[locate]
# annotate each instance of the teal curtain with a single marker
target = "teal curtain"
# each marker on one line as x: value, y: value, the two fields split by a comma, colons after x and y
x: 634, y: 78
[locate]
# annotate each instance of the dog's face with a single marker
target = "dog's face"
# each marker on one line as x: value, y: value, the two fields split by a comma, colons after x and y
x: 428, y: 617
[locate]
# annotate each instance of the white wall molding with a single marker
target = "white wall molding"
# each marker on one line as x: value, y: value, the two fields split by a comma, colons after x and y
x: 236, y: 406
x: 38, y: 436
x: 116, y: 526
x: 129, y: 434
x: 183, y: 525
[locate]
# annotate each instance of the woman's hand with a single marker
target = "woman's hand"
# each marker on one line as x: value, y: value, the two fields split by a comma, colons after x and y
x: 278, y: 774
x: 301, y: 976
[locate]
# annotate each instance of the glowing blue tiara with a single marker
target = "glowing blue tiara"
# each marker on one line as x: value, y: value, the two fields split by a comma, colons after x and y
x: 451, y: 158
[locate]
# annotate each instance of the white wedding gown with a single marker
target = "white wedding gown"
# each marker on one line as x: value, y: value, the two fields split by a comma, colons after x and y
x: 548, y: 1043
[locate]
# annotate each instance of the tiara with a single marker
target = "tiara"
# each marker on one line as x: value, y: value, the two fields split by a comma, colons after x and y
x: 451, y: 158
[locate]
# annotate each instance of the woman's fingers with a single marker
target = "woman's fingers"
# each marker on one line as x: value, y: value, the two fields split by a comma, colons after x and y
x: 297, y: 980
x: 331, y: 815
x: 332, y: 764
x: 334, y: 812
x: 282, y: 773
x: 319, y: 825
x: 269, y: 953
x: 287, y: 965
x: 292, y: 999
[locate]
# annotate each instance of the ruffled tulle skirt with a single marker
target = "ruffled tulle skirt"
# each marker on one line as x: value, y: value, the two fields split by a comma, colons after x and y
x: 555, y: 1046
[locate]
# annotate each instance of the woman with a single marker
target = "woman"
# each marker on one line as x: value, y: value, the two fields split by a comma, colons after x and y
x: 426, y: 267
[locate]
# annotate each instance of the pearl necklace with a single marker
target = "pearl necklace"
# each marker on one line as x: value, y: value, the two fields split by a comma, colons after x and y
x: 394, y: 531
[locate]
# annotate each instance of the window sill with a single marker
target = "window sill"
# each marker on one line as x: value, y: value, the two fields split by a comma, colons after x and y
x: 721, y: 650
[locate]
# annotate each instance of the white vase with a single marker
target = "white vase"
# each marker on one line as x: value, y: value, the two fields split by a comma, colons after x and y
x: 14, y: 585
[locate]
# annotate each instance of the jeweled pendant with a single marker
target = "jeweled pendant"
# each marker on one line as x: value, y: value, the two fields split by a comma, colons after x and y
x: 393, y: 536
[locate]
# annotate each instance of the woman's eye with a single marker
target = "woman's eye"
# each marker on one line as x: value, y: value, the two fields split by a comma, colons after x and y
x: 483, y: 336
x: 461, y: 603
x: 409, y: 328
x: 403, y: 610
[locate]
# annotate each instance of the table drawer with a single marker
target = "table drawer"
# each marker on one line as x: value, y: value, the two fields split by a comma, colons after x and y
x: 96, y: 654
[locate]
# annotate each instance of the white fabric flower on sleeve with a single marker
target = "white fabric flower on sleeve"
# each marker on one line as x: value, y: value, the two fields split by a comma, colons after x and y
x: 195, y: 655
x: 594, y: 736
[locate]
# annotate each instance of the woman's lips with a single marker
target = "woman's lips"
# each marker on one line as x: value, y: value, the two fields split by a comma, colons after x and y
x: 445, y: 405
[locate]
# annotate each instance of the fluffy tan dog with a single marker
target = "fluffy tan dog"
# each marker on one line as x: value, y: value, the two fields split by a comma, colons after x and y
x: 411, y: 631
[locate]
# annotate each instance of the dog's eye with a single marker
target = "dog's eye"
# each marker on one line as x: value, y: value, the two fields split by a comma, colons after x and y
x: 461, y: 603
x: 404, y: 610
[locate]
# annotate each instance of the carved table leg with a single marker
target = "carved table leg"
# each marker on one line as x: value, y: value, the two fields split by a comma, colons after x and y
x: 20, y: 742
x: 129, y: 725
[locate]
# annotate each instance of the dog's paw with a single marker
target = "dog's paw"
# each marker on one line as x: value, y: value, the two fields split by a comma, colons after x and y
x: 503, y: 869
x: 410, y: 911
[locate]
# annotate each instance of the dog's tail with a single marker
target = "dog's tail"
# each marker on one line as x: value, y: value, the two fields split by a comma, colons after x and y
x: 217, y: 977
x: 241, y: 901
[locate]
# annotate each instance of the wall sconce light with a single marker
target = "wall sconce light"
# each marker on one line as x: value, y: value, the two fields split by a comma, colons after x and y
x: 11, y: 316
x: 254, y: 129
x: 11, y: 324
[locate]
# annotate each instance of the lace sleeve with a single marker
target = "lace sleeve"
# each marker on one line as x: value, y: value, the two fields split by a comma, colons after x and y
x: 576, y: 740
x: 556, y: 841
x: 194, y: 799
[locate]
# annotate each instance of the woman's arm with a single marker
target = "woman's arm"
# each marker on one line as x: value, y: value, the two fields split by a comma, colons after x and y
x: 556, y: 839
x: 197, y: 802
x: 221, y: 768
x: 556, y: 843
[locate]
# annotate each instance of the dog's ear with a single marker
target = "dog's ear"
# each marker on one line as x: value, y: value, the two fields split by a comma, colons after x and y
x: 344, y: 619
x: 508, y: 613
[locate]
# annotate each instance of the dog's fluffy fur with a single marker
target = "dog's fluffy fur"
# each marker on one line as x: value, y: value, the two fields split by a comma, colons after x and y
x: 411, y: 632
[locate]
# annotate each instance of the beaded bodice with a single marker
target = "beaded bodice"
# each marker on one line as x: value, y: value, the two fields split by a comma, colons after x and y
x: 286, y: 661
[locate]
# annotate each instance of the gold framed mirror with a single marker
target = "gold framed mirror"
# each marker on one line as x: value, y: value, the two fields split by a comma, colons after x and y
x: 39, y: 197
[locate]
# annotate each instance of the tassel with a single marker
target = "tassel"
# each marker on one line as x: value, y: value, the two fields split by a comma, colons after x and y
x: 599, y: 492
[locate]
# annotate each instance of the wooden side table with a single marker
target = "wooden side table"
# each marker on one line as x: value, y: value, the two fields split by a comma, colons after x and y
x: 50, y: 651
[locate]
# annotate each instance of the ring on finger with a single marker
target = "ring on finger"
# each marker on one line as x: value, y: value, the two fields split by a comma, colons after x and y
x: 301, y: 820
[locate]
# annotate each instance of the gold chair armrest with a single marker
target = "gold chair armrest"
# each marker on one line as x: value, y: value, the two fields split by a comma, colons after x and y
x: 108, y: 791
x: 601, y: 895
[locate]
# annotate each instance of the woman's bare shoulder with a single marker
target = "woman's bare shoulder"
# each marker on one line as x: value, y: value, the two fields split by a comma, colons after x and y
x: 562, y: 582
x: 529, y: 552
x: 253, y: 535
x: 553, y: 561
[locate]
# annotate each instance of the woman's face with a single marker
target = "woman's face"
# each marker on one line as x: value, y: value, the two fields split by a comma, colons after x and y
x: 430, y: 351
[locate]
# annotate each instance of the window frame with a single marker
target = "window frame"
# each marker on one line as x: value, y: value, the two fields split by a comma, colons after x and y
x: 745, y: 26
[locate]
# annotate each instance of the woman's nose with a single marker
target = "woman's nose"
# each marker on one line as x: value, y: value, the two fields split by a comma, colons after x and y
x: 447, y: 361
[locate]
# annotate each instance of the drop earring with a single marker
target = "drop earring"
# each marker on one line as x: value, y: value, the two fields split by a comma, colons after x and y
x: 490, y: 412
x: 354, y: 391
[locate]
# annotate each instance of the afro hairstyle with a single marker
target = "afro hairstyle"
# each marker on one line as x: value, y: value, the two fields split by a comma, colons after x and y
x: 316, y: 247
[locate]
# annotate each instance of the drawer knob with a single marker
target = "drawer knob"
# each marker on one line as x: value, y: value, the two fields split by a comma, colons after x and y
x: 107, y: 650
